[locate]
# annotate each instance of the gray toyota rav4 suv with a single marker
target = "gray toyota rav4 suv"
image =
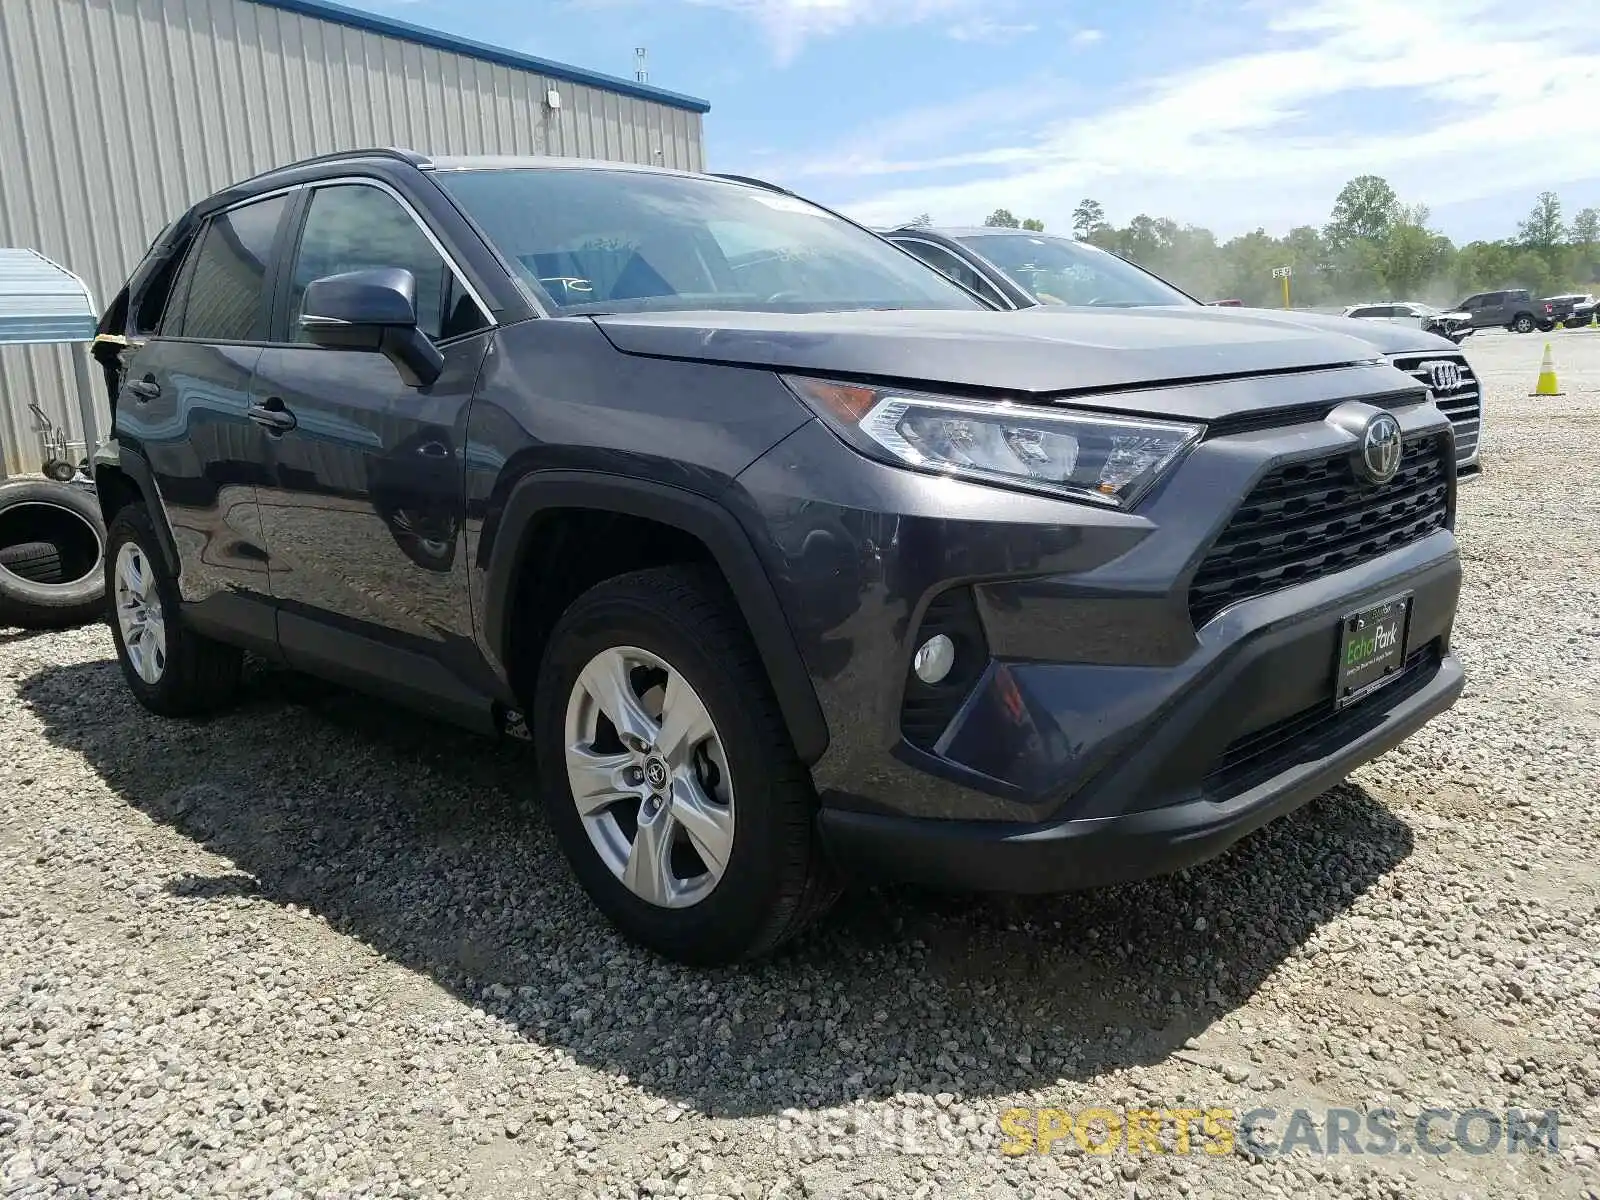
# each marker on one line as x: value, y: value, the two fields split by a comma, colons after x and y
x: 792, y: 558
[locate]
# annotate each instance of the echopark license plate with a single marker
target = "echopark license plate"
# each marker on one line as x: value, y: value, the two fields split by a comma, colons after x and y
x: 1372, y: 649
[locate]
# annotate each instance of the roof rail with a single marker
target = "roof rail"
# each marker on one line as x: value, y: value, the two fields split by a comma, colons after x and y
x: 763, y: 184
x: 421, y: 161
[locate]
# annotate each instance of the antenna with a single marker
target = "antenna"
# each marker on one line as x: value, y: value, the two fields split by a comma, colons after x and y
x: 641, y: 64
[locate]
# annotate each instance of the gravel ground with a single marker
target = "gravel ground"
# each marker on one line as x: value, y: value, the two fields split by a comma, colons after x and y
x: 313, y: 948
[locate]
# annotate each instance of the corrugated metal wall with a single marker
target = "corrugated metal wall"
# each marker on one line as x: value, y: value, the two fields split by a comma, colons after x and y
x: 115, y: 115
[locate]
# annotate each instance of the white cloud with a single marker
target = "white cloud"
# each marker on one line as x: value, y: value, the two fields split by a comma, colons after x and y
x: 985, y: 29
x: 1488, y: 99
x: 1087, y: 37
x: 791, y: 23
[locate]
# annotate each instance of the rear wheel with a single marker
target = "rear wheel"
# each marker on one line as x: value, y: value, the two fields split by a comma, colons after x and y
x: 1523, y: 323
x: 172, y: 670
x: 668, y: 775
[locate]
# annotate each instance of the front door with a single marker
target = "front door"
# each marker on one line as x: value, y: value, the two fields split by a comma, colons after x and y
x: 184, y: 405
x: 363, y: 510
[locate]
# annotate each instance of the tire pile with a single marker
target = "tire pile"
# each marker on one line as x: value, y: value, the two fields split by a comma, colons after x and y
x: 51, y: 546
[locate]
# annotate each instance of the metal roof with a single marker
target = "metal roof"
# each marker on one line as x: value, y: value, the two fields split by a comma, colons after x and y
x: 340, y: 14
x: 41, y: 301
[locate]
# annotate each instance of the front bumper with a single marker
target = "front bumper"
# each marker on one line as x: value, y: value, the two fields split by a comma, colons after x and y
x: 1103, y: 735
x: 1002, y: 856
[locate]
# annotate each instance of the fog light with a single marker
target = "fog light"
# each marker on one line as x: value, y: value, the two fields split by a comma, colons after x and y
x: 934, y: 659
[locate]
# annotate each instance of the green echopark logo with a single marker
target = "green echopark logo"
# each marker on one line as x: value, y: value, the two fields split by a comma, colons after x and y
x: 1380, y: 640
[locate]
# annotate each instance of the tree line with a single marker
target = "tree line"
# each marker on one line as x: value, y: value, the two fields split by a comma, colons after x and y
x: 1373, y: 247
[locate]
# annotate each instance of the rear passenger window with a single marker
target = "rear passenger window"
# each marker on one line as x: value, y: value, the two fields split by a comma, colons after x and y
x: 352, y: 227
x: 227, y: 299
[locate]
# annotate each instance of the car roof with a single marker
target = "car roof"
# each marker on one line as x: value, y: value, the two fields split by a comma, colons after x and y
x: 961, y: 231
x: 324, y: 165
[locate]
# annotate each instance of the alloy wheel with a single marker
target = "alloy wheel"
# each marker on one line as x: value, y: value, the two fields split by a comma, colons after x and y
x: 139, y: 615
x: 649, y: 775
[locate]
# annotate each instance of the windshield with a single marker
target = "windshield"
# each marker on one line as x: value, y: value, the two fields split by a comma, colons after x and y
x: 1056, y: 270
x: 598, y: 241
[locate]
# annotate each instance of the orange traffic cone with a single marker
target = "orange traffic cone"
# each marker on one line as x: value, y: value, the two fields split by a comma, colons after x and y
x: 1547, y: 385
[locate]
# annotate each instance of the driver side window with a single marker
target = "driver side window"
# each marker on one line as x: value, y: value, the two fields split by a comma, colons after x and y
x: 352, y: 227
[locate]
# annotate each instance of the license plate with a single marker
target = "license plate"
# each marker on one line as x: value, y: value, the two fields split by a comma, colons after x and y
x: 1372, y: 649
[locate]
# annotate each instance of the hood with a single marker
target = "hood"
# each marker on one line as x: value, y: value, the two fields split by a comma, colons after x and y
x: 1381, y: 336
x: 1036, y: 350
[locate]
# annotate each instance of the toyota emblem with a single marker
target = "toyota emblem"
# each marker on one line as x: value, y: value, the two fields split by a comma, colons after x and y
x: 1443, y: 376
x: 1379, y: 459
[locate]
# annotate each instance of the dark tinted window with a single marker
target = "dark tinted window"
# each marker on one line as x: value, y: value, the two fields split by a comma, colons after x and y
x: 598, y: 241
x: 358, y: 228
x: 153, y: 301
x: 947, y: 263
x: 1373, y: 311
x: 1058, y: 270
x: 227, y: 299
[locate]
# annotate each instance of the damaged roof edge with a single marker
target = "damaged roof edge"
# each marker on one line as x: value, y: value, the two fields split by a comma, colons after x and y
x: 340, y: 14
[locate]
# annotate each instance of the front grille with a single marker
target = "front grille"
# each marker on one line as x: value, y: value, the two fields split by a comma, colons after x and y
x: 927, y: 709
x: 1463, y: 404
x: 1310, y: 519
x: 1313, y: 731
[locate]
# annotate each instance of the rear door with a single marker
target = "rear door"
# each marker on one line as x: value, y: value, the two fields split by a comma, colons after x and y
x: 364, y: 508
x: 184, y: 404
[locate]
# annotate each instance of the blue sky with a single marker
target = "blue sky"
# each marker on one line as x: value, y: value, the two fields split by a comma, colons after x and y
x: 1231, y: 114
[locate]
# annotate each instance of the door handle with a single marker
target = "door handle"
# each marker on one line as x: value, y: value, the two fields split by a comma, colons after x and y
x: 144, y: 389
x: 272, y: 414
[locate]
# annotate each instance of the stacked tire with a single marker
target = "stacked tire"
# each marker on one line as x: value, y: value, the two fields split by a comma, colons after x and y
x: 52, y: 542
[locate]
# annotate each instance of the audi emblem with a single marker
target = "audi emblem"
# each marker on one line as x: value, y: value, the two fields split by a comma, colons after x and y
x: 1443, y: 376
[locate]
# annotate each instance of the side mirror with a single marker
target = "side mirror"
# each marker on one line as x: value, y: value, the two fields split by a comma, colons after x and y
x: 372, y: 310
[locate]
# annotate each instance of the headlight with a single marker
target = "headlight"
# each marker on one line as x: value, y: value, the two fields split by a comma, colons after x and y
x: 1108, y: 460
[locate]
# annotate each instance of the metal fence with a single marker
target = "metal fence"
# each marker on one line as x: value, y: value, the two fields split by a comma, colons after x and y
x: 115, y: 115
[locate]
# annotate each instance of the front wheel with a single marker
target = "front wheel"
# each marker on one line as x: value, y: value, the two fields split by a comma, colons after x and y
x: 667, y: 773
x: 1523, y: 323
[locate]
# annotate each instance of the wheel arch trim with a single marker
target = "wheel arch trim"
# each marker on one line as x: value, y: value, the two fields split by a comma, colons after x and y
x: 130, y: 463
x: 505, y: 539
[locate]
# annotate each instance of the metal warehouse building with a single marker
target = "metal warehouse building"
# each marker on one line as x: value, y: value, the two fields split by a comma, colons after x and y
x: 115, y: 115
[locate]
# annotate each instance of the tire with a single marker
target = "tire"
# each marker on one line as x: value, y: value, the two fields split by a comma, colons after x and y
x: 192, y: 675
x: 65, y: 520
x: 37, y: 562
x: 1522, y: 323
x: 681, y: 624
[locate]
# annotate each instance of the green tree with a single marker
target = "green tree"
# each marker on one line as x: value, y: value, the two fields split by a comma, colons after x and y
x: 1481, y: 266
x: 1585, y: 236
x: 1363, y: 211
x: 1033, y: 224
x: 920, y: 221
x: 1089, y: 216
x: 1001, y: 218
x: 1412, y: 254
x: 1533, y: 270
x: 1585, y: 229
x: 1543, y: 229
